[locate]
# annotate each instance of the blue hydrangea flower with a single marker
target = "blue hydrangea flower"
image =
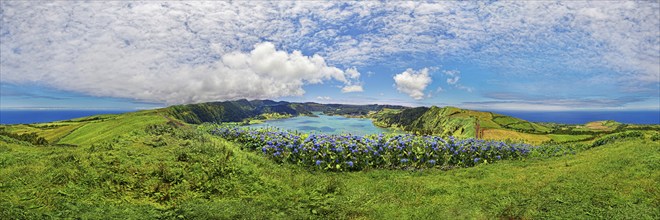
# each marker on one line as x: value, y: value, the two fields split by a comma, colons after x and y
x: 350, y: 163
x: 318, y: 162
x: 404, y: 160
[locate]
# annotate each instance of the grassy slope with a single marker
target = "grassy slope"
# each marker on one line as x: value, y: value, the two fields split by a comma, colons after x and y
x: 52, y: 132
x: 196, y: 177
x: 99, y: 130
x: 451, y: 121
x: 503, y: 134
x: 560, y: 138
x: 613, y: 181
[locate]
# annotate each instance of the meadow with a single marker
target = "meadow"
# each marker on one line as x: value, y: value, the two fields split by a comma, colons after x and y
x: 146, y: 165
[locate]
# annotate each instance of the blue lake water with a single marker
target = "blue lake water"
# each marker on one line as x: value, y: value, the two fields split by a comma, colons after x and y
x: 582, y: 117
x: 38, y: 116
x: 325, y: 124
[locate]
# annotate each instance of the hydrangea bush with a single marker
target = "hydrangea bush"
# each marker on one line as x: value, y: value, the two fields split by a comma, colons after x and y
x: 352, y: 153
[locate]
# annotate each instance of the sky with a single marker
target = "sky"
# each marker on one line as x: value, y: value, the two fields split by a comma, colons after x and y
x: 487, y: 55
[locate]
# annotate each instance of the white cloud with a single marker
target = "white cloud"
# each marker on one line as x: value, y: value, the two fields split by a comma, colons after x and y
x: 451, y: 72
x: 413, y: 82
x: 67, y: 41
x: 454, y: 76
x: 323, y: 98
x: 454, y: 80
x: 462, y: 87
x: 353, y: 73
x: 262, y: 73
x: 352, y: 88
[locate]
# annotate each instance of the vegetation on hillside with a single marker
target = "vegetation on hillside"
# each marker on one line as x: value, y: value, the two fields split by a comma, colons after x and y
x: 240, y: 110
x: 165, y: 169
x: 451, y: 121
x: 439, y: 121
x: 353, y: 153
x: 149, y: 164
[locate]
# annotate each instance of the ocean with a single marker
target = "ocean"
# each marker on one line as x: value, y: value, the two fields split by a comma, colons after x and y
x: 37, y: 116
x: 582, y: 117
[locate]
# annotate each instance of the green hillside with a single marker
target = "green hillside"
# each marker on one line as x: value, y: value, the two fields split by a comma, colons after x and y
x: 452, y: 121
x: 240, y: 110
x: 446, y: 121
x: 232, y: 111
x: 145, y: 165
x: 105, y: 129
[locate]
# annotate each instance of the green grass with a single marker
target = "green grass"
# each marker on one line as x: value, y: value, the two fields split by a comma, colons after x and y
x: 519, y: 124
x: 581, y: 186
x: 50, y: 131
x: 561, y: 138
x: 139, y: 171
x: 102, y: 130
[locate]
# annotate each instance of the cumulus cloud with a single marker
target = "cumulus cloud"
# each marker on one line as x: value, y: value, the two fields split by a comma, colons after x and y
x: 103, y: 70
x: 413, y: 82
x: 352, y: 88
x: 323, y: 98
x: 171, y: 52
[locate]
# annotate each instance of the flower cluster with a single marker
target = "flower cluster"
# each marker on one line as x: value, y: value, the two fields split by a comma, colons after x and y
x: 348, y: 152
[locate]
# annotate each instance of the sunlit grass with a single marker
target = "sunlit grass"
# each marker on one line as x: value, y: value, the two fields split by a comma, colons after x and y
x: 150, y: 168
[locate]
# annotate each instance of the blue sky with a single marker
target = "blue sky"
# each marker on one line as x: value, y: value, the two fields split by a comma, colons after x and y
x: 577, y: 55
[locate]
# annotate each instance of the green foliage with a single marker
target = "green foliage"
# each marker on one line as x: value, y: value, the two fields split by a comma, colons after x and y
x: 240, y: 110
x: 354, y: 153
x: 431, y: 121
x: 122, y: 125
x: 554, y: 150
x: 32, y: 138
x: 563, y: 138
x: 231, y: 111
x: 516, y: 124
x: 111, y: 173
x: 655, y: 136
x: 451, y: 121
x: 617, y: 136
x: 207, y: 178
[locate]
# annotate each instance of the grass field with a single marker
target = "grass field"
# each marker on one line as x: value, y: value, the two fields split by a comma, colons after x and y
x: 500, y: 134
x: 561, y: 138
x: 100, y: 130
x: 52, y: 132
x: 124, y: 168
